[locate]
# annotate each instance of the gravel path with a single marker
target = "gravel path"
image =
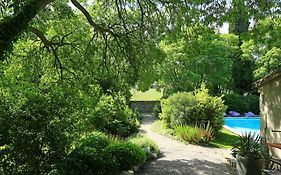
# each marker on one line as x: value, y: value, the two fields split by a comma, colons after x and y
x: 178, y: 158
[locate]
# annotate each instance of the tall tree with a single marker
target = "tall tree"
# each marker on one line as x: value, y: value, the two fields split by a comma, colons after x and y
x: 200, y: 57
x: 241, y: 15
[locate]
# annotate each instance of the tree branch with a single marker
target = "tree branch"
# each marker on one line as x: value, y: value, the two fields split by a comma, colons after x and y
x: 41, y: 36
x: 90, y: 19
x: 48, y: 44
x: 11, y: 28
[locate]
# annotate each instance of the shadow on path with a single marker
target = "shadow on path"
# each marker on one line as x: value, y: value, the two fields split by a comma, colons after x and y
x: 184, y: 167
x: 147, y: 119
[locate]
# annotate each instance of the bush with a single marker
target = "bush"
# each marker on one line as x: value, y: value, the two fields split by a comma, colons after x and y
x: 97, y: 140
x: 196, y: 135
x: 241, y: 103
x: 88, y: 161
x: 40, y: 125
x: 113, y: 116
x: 157, y: 109
x: 88, y: 158
x: 149, y: 146
x: 126, y: 154
x: 191, y: 108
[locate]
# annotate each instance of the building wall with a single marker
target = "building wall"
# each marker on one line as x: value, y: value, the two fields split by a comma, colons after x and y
x: 270, y: 106
x: 143, y: 106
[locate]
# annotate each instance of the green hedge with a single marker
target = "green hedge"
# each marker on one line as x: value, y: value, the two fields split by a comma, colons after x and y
x: 241, y: 103
x: 191, y: 108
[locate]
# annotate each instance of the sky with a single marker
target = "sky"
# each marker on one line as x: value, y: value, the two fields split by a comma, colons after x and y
x: 225, y: 28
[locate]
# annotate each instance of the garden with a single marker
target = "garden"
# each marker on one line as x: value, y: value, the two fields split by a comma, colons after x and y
x: 69, y: 70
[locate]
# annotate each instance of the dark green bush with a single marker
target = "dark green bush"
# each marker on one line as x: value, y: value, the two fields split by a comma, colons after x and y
x: 40, y: 125
x: 88, y: 161
x: 88, y: 157
x: 97, y: 140
x: 113, y: 116
x: 126, y: 154
x: 241, y: 103
x: 191, y: 108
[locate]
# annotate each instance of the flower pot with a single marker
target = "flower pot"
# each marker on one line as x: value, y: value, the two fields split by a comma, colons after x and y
x: 249, y: 166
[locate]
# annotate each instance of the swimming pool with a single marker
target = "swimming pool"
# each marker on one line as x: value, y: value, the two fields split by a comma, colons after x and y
x: 240, y: 125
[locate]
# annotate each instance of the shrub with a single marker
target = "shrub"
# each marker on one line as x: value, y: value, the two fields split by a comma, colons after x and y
x: 88, y: 157
x: 149, y: 146
x: 40, y: 125
x: 196, y: 135
x: 126, y: 154
x: 191, y: 108
x: 88, y: 161
x: 97, y: 140
x: 241, y: 103
x: 157, y: 109
x: 113, y: 116
x: 249, y: 145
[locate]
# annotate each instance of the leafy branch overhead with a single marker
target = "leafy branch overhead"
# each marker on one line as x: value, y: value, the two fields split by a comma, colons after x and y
x: 132, y: 16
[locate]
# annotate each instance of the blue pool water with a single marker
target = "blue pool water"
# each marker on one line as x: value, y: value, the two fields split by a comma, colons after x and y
x: 242, y: 125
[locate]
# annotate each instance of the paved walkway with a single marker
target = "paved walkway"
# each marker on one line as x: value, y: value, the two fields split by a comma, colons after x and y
x: 178, y: 158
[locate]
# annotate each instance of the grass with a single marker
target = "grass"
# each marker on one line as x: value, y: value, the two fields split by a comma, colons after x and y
x: 224, y: 139
x: 150, y: 95
x: 159, y: 127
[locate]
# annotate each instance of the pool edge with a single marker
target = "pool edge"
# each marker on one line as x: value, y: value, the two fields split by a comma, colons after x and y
x: 231, y: 129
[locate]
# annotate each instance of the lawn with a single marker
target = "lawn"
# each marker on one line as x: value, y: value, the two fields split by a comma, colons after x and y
x: 150, y: 95
x: 224, y: 139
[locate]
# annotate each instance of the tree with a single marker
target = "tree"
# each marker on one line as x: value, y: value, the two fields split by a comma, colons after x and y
x: 263, y: 47
x: 242, y: 16
x: 200, y: 57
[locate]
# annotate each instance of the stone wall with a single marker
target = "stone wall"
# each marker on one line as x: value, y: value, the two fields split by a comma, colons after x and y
x: 270, y: 112
x: 143, y: 106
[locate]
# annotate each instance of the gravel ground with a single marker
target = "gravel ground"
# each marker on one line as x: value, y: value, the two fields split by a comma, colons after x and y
x: 178, y: 158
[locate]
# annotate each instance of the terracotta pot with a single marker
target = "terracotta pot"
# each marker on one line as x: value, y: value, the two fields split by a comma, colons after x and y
x: 249, y: 166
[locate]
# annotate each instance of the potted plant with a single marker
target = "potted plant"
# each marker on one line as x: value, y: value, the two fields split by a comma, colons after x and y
x: 249, y: 154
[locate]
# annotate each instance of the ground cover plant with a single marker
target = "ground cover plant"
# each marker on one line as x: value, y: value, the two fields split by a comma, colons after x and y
x: 201, y: 135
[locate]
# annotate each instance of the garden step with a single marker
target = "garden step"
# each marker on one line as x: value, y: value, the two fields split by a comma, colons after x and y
x: 271, y: 172
x: 277, y: 161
